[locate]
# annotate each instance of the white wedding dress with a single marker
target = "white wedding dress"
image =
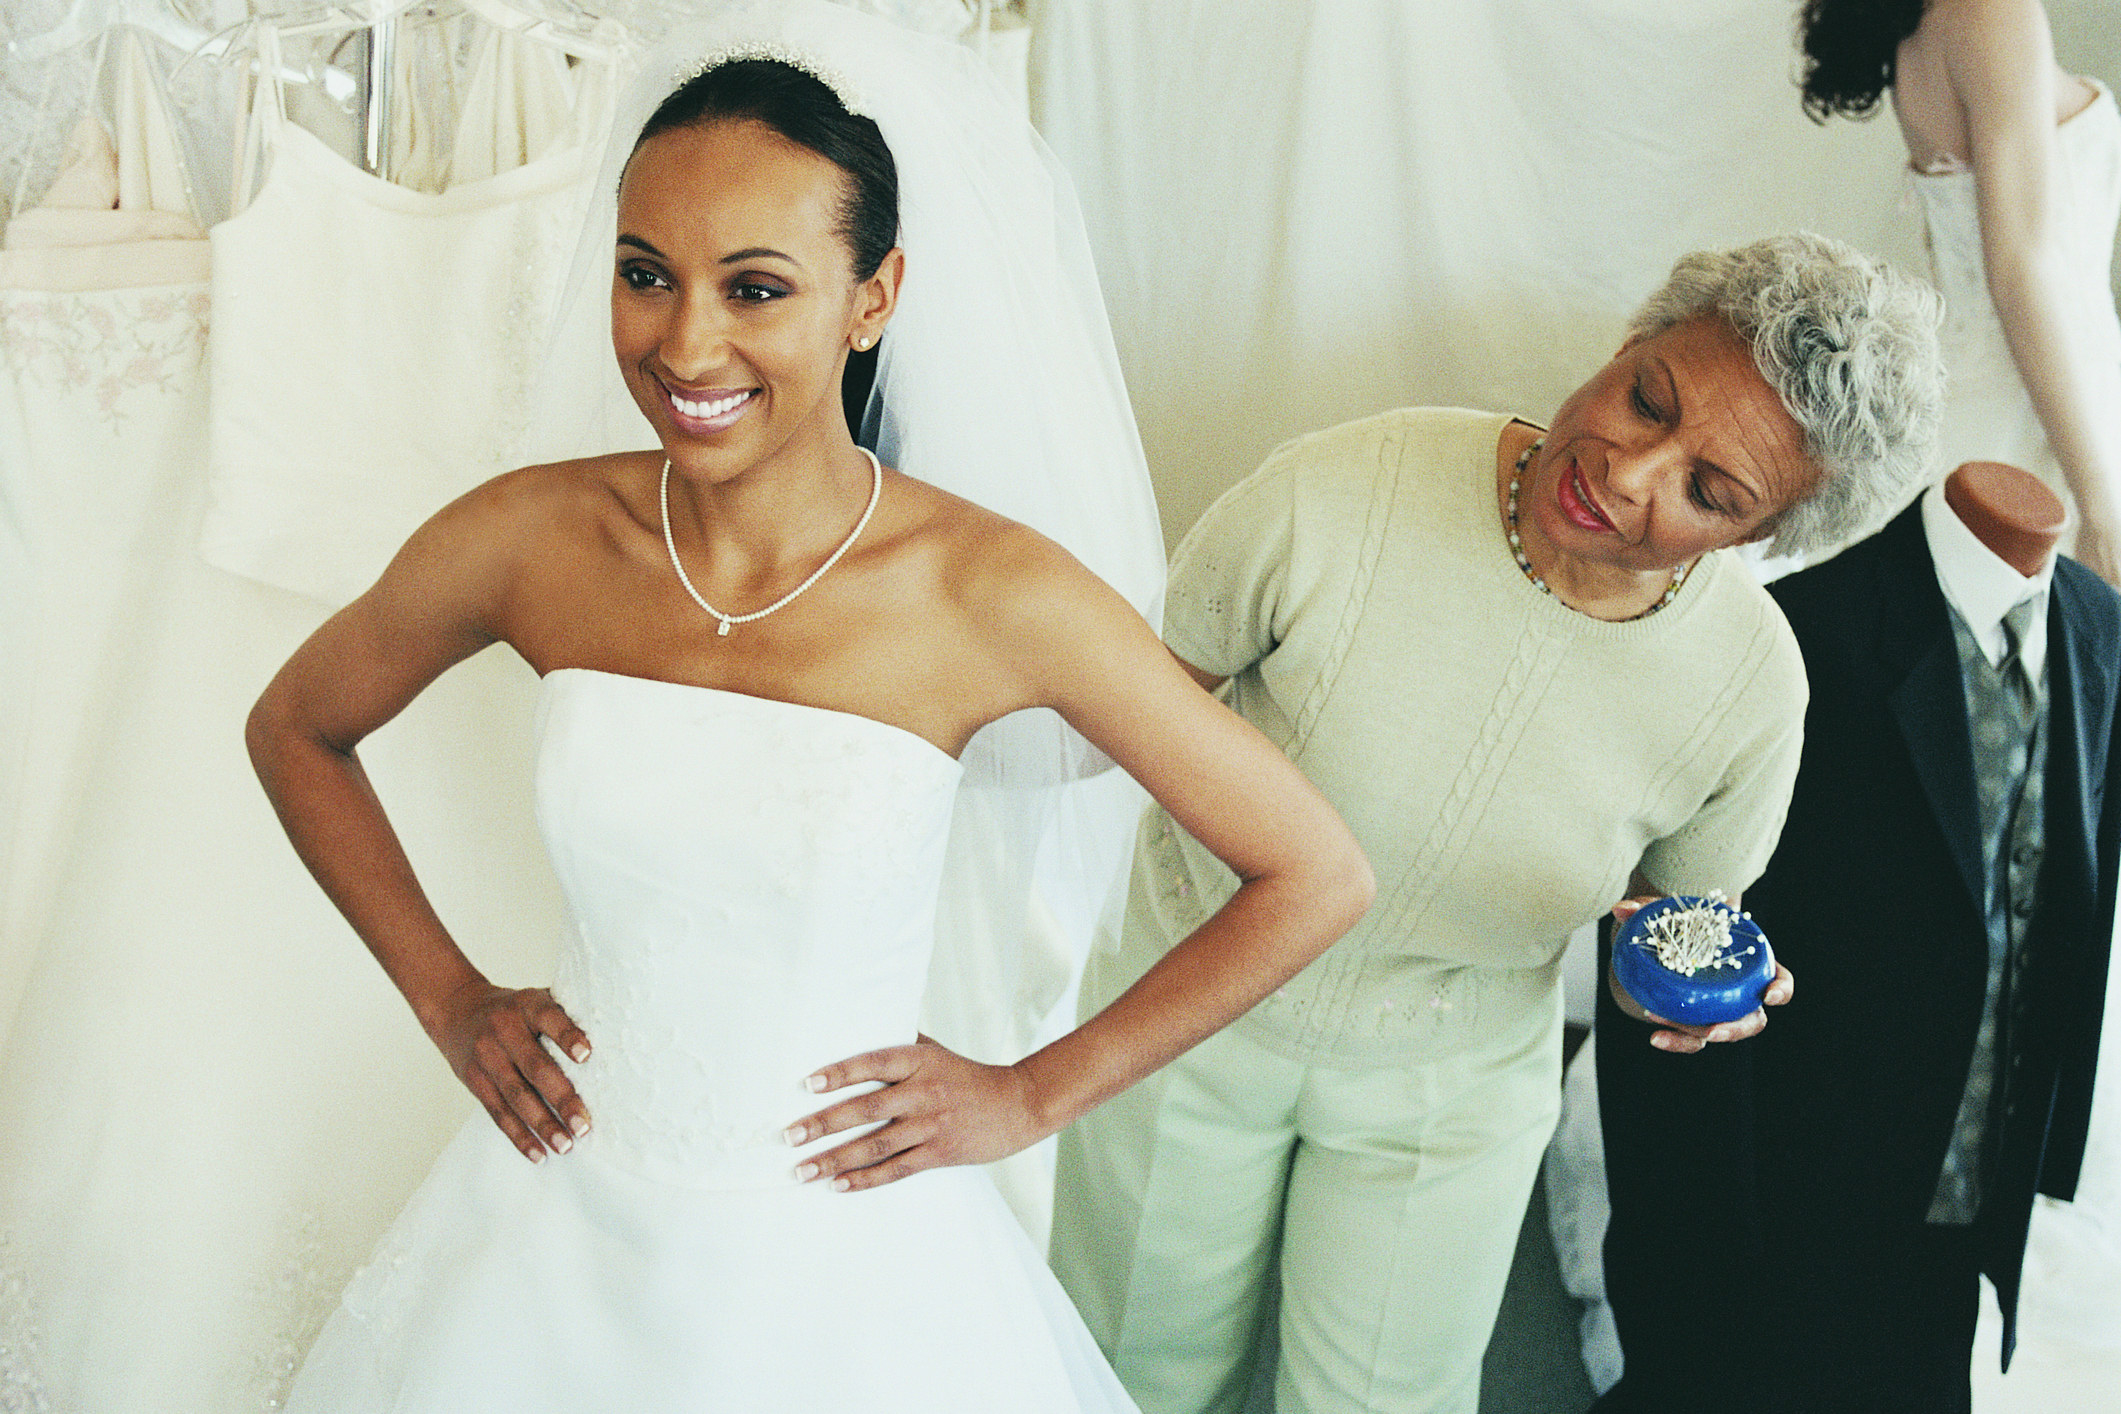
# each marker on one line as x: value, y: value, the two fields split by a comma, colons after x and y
x: 753, y: 885
x: 1987, y: 415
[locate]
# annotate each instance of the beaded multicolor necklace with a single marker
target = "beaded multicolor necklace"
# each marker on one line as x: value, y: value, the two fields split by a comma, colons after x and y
x: 1524, y: 561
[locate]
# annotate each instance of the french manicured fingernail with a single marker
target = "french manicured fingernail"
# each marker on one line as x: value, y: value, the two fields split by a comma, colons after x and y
x: 806, y: 1172
x: 815, y: 1083
x: 795, y: 1134
x: 579, y: 1050
x: 562, y: 1143
x: 579, y: 1124
x: 537, y: 1156
x: 841, y: 1185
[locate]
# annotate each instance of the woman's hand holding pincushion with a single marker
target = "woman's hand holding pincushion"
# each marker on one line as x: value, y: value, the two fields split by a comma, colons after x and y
x: 1695, y: 961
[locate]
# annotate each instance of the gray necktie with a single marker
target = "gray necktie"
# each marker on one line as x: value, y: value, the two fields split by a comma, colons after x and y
x: 2016, y: 624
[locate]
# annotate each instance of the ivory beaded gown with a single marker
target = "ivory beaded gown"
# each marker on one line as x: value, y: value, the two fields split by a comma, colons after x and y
x: 753, y: 888
x: 213, y: 1101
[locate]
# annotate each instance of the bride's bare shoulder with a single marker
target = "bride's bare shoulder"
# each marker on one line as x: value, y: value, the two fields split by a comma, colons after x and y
x: 565, y: 499
x: 1002, y: 576
x: 581, y: 485
x: 484, y: 542
x: 973, y: 549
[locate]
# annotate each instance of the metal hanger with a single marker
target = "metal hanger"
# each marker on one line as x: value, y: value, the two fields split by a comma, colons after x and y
x: 87, y: 19
x: 563, y: 24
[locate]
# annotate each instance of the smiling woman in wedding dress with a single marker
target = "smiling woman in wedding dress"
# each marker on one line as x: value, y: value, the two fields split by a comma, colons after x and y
x: 764, y: 653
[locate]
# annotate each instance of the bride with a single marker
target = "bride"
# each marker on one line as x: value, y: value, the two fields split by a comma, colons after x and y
x: 771, y: 659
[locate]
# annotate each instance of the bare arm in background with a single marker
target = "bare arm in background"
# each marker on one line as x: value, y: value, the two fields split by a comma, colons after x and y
x: 1999, y: 59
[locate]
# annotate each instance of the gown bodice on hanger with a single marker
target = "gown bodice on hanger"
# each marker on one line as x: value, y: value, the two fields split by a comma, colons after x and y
x: 1987, y: 416
x: 374, y: 346
x: 753, y: 887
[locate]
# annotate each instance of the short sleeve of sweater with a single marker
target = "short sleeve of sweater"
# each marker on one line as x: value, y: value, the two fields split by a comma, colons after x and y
x: 1229, y: 578
x: 1727, y: 842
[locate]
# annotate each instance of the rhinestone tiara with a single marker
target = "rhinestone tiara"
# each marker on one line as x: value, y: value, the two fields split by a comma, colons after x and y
x: 849, y: 96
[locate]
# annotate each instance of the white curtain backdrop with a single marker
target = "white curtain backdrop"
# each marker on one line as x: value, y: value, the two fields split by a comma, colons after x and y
x: 1308, y: 211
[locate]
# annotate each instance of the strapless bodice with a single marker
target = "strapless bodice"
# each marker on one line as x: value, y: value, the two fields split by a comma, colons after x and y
x: 752, y: 886
x: 1987, y: 415
x: 2087, y: 203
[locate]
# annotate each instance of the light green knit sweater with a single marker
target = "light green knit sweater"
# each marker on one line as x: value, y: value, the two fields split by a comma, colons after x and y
x: 1504, y: 760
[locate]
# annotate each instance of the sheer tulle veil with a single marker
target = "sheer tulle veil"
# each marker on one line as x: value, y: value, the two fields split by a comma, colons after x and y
x: 997, y: 380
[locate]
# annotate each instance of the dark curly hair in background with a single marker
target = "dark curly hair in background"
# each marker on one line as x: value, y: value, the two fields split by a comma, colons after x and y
x: 1848, y: 52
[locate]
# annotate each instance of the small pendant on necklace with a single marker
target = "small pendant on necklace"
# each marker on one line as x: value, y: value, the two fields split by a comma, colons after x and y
x: 723, y: 631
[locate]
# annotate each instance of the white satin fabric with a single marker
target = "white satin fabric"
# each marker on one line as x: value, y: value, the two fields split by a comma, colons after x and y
x: 753, y: 891
x: 102, y: 314
x: 1988, y: 416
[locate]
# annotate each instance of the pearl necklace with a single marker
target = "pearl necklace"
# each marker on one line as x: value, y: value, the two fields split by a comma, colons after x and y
x: 1524, y: 561
x: 876, y: 489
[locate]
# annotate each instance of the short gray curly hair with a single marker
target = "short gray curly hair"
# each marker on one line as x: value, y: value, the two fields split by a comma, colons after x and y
x: 1850, y: 346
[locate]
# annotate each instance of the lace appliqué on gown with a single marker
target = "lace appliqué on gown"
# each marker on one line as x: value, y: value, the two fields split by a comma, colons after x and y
x: 655, y: 1090
x: 109, y: 349
x: 22, y: 1386
x: 296, y: 1295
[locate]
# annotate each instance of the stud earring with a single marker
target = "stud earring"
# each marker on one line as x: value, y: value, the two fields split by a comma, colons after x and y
x: 862, y: 343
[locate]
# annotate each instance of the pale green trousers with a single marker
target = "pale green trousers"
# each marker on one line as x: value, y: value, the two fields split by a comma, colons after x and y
x: 1385, y: 1200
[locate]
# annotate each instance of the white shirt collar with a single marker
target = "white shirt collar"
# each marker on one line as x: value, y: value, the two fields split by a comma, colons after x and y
x: 1982, y: 585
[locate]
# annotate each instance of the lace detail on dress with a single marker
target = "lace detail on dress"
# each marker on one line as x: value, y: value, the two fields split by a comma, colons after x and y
x: 22, y: 1386
x: 108, y: 346
x: 297, y: 1295
x: 377, y: 1294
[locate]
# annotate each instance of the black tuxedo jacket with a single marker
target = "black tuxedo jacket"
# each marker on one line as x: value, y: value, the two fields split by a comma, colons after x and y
x: 1836, y: 1118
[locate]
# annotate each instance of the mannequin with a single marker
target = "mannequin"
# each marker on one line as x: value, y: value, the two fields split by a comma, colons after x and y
x: 2009, y: 510
x: 1882, y: 1145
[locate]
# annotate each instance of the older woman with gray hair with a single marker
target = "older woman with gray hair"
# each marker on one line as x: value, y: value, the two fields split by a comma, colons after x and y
x: 1525, y: 668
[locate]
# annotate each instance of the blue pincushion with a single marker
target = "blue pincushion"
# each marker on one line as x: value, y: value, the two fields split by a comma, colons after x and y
x: 1693, y: 960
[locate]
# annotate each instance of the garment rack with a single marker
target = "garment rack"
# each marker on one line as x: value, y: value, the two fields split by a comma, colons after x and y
x: 378, y: 51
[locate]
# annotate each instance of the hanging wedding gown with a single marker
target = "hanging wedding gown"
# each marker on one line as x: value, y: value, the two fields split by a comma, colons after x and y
x: 102, y: 316
x: 373, y: 346
x: 753, y: 885
x: 212, y: 1099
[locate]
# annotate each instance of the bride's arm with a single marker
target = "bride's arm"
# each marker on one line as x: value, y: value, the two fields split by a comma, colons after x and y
x: 2001, y: 63
x: 1083, y: 651
x: 432, y: 608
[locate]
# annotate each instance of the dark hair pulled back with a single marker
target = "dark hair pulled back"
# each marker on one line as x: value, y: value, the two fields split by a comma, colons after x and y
x: 1848, y: 52
x: 804, y: 110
